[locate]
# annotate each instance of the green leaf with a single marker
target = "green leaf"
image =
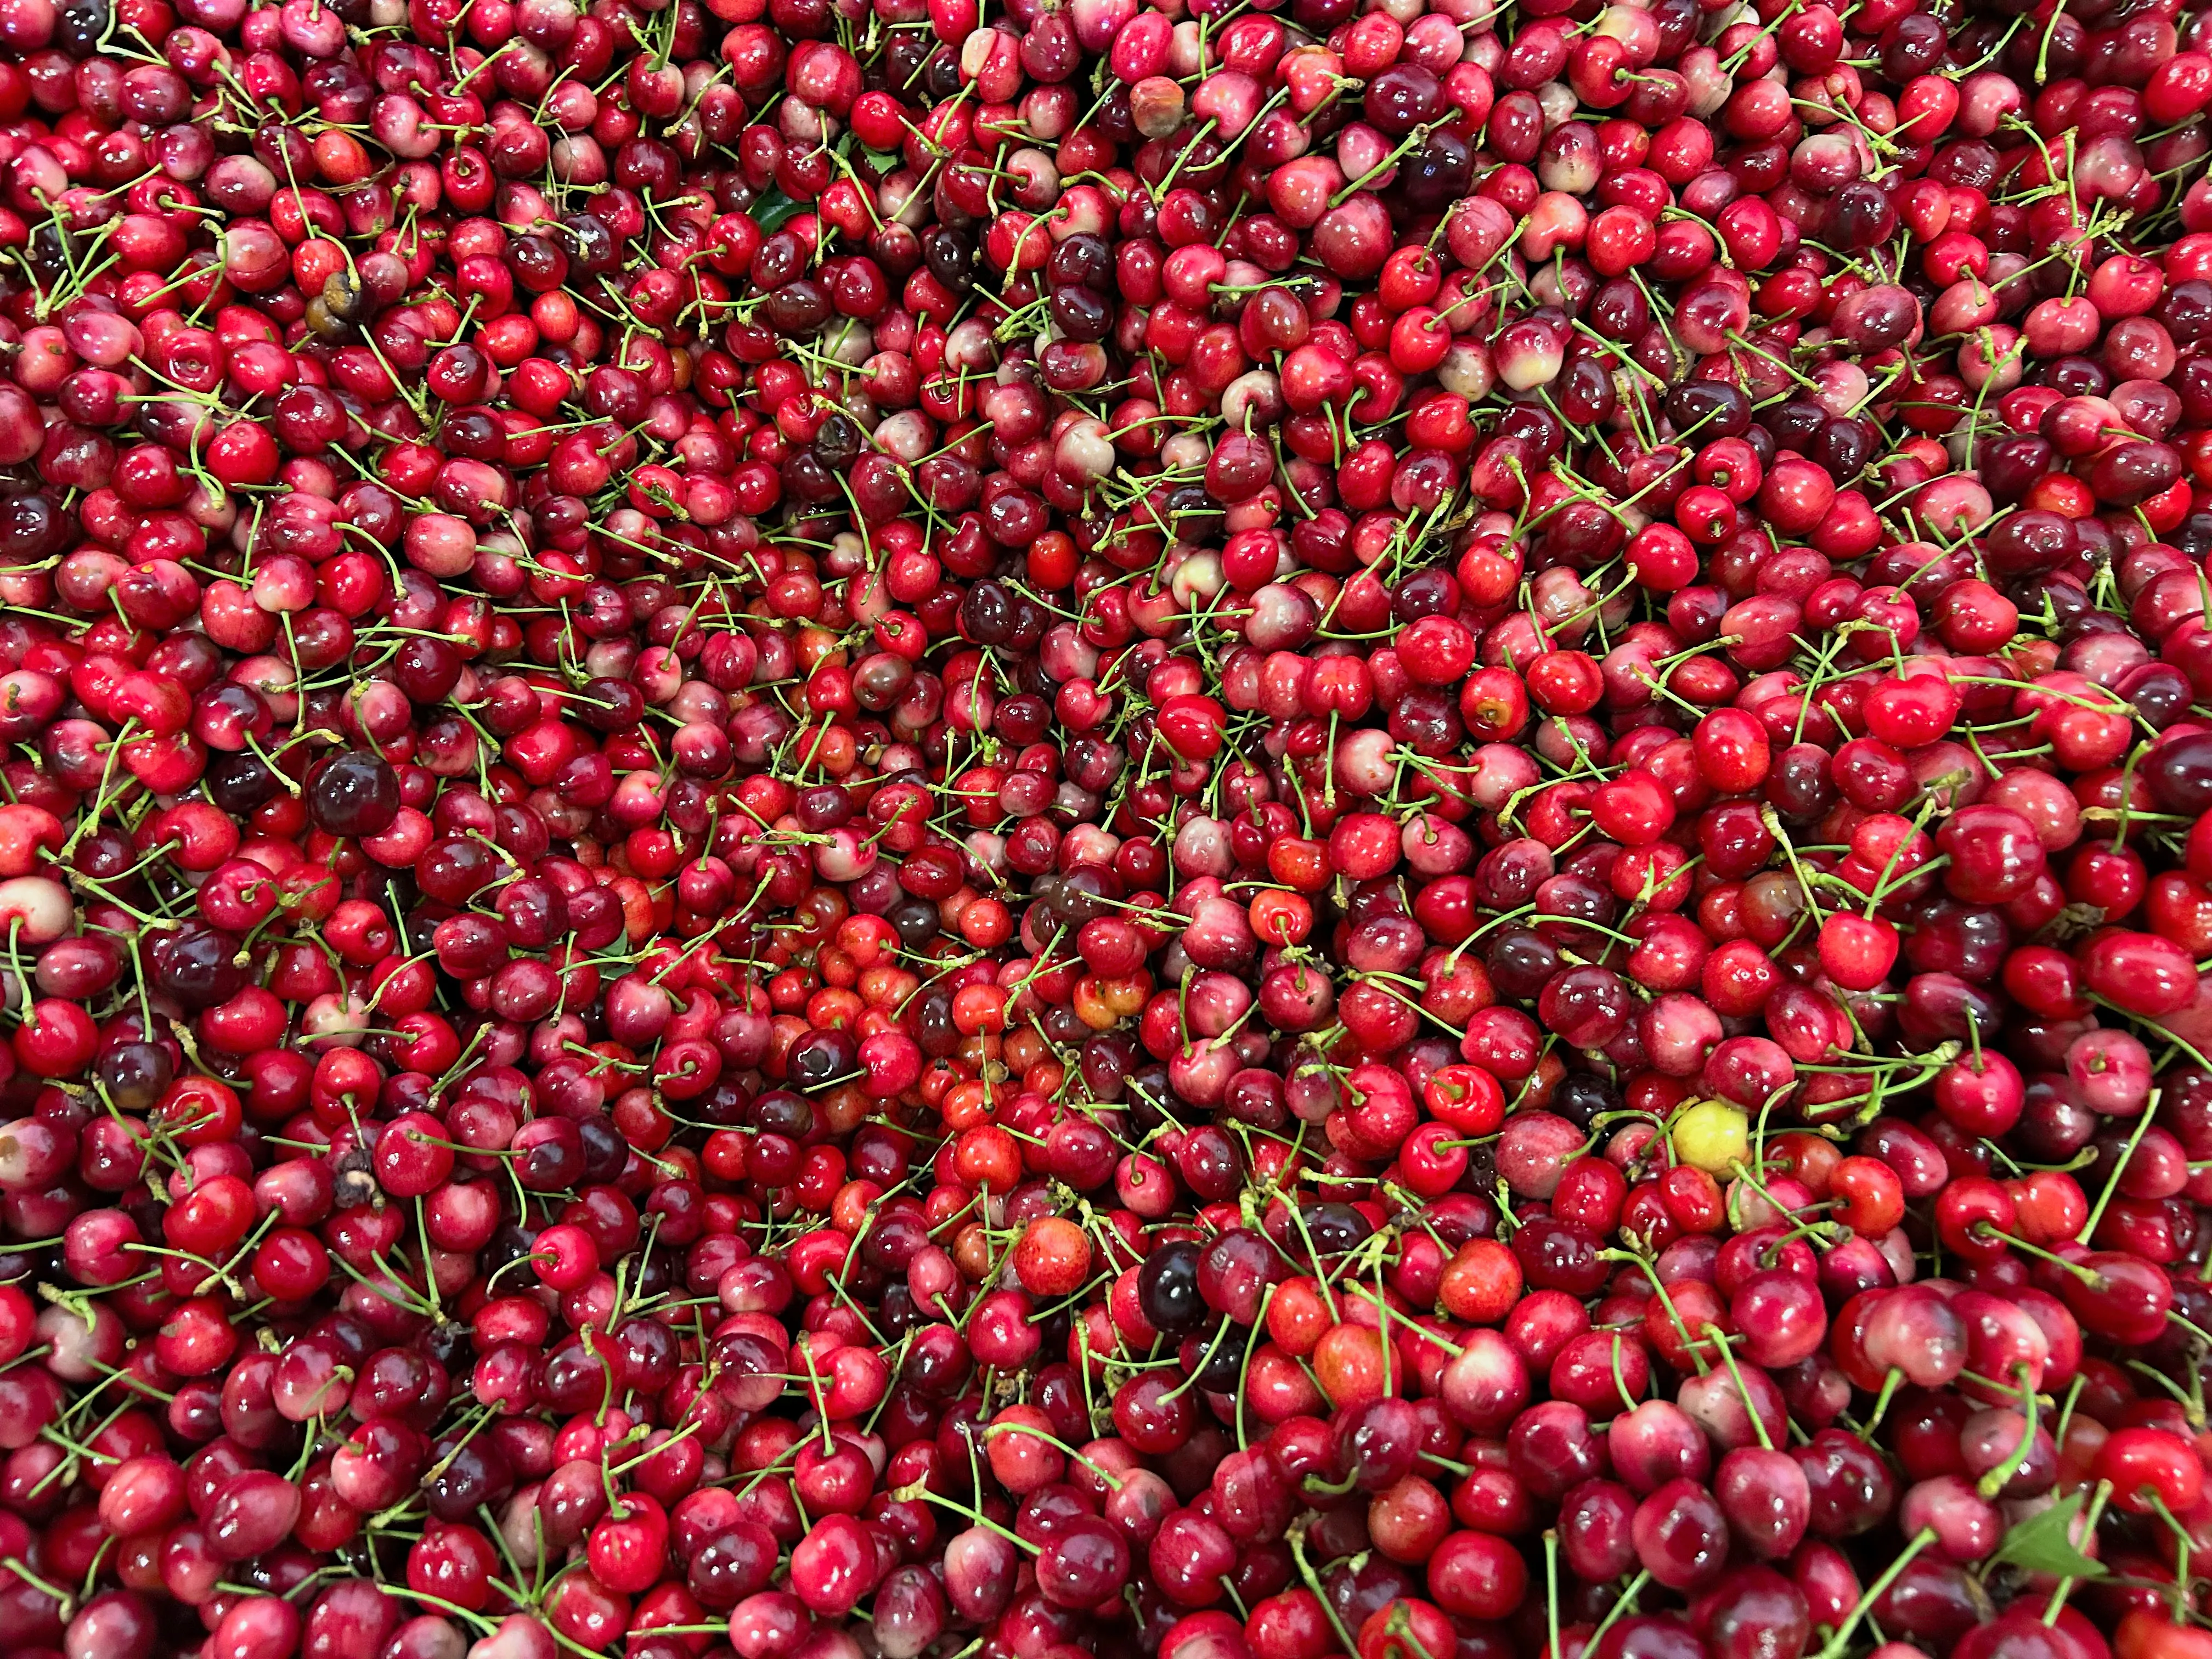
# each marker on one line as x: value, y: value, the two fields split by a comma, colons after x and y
x: 770, y: 211
x: 2043, y: 1544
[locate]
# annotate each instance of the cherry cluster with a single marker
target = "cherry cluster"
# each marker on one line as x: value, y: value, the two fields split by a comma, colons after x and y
x: 838, y: 830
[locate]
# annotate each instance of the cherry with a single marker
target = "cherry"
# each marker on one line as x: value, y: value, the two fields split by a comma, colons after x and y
x: 1009, y: 868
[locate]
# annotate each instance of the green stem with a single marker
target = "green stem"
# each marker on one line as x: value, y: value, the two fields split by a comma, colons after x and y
x: 2119, y: 1168
x: 1841, y: 1640
x: 1890, y: 1385
x: 1296, y: 1537
x: 1994, y: 1481
x: 1750, y: 1405
x: 1551, y: 1592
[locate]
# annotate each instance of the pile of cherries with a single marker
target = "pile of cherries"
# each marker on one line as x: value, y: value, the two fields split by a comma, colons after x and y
x: 880, y: 830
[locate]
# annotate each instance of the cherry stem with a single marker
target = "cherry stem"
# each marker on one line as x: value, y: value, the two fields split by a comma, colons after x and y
x: 1050, y: 1439
x: 22, y: 979
x: 1774, y: 827
x: 1889, y: 1387
x: 2119, y: 1168
x: 1772, y: 1254
x: 1841, y: 1640
x: 1882, y: 886
x: 1251, y: 1346
x: 1205, y: 1359
x: 2191, y: 1327
x: 1626, y: 1604
x: 1750, y: 1407
x: 22, y: 1572
x: 2178, y: 1589
x: 1988, y: 1230
x: 684, y: 1433
x: 1994, y: 1481
x: 1690, y: 1345
x: 1297, y: 1539
x: 1314, y: 1487
x: 1551, y: 1592
x: 451, y: 1609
